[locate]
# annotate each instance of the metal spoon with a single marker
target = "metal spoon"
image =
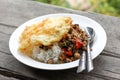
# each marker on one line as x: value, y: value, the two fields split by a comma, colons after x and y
x: 91, y: 33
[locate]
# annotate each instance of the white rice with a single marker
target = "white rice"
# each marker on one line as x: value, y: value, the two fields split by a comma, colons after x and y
x: 44, y: 56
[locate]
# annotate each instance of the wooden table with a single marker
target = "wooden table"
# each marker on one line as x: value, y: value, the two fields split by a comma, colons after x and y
x: 15, y: 12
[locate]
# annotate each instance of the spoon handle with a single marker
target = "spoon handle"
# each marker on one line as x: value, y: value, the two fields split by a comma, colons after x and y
x: 82, y: 63
x: 89, y: 61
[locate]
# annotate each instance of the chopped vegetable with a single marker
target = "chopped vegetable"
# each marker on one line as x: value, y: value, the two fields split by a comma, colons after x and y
x: 79, y: 44
x: 68, y: 53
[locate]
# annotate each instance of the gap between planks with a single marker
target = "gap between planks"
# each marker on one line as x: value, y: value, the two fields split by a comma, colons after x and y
x: 8, y: 25
x: 111, y: 54
x: 10, y: 73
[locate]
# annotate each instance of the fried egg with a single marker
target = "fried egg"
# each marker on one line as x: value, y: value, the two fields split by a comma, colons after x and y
x: 46, y: 32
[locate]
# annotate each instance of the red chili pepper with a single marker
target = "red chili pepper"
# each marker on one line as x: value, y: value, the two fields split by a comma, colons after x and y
x: 78, y: 44
x: 69, y: 53
x: 64, y: 49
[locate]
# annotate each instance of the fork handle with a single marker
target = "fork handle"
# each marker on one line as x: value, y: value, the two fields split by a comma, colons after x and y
x: 82, y: 63
x: 89, y: 62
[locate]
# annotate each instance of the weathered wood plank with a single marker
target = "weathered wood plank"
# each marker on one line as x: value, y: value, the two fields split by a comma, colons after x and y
x: 7, y: 78
x: 26, y: 12
x: 4, y: 43
x: 6, y: 29
x: 103, y: 69
x: 13, y: 74
x: 107, y: 66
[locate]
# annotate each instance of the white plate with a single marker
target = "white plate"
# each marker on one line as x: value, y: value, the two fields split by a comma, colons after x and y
x: 98, y: 45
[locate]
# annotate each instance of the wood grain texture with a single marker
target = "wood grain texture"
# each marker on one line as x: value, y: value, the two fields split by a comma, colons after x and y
x: 103, y: 69
x: 7, y: 78
x: 15, y: 12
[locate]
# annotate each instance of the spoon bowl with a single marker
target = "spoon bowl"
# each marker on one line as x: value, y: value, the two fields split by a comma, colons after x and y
x: 92, y: 34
